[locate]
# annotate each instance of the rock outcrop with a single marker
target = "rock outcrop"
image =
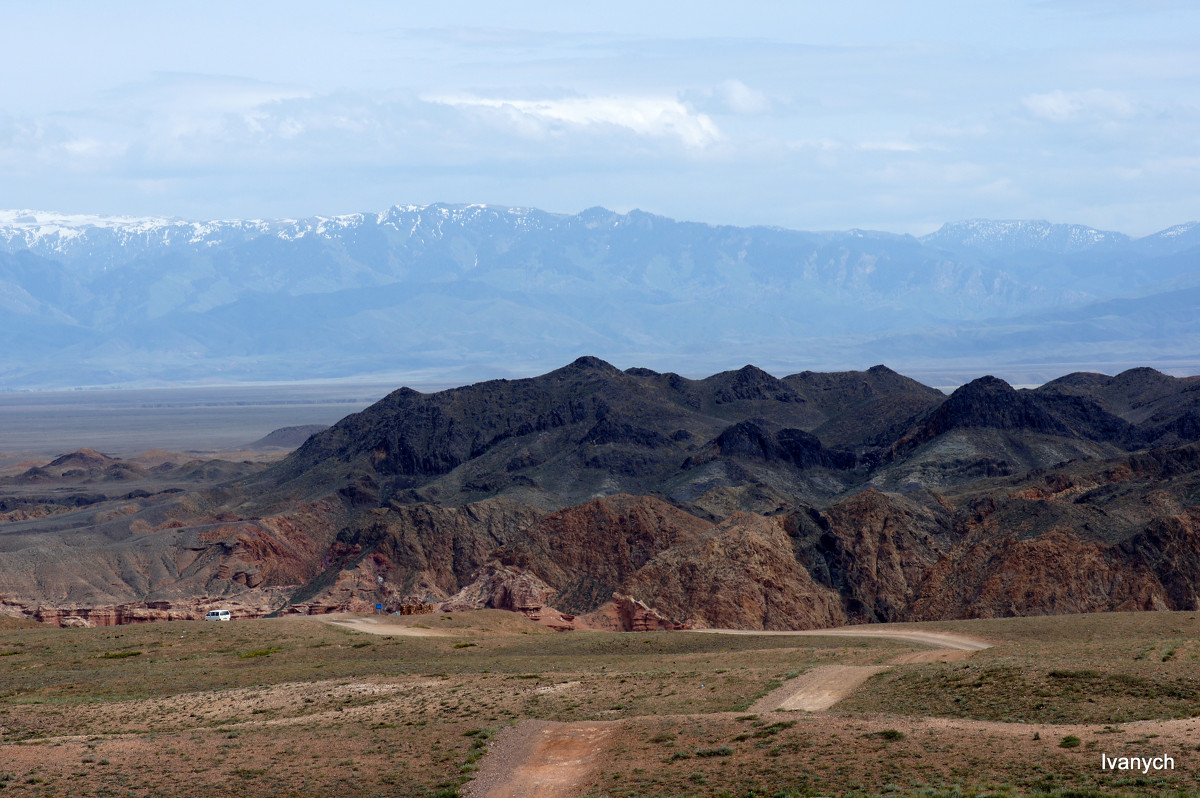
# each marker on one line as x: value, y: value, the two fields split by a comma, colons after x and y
x: 255, y: 605
x: 1053, y: 574
x: 873, y: 549
x: 634, y: 616
x: 502, y: 588
x: 741, y: 574
x: 586, y: 553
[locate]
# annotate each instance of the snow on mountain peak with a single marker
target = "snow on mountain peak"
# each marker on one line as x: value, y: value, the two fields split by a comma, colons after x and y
x: 40, y: 224
x: 1178, y: 230
x: 1008, y: 236
x: 108, y: 240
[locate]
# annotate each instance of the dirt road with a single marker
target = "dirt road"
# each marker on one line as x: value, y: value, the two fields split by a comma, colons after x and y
x: 541, y: 759
x: 378, y: 626
x: 932, y: 639
x: 552, y: 760
x: 817, y: 689
x: 821, y: 688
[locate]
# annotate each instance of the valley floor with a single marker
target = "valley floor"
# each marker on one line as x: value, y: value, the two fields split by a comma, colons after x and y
x: 45, y: 424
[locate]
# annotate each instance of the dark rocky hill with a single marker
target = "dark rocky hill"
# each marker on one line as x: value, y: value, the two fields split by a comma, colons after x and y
x: 1166, y: 409
x: 723, y: 455
x: 858, y: 407
x: 585, y: 429
x: 994, y: 404
x: 287, y: 437
x: 650, y: 500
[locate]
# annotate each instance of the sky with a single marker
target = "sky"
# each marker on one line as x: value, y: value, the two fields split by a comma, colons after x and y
x: 815, y: 116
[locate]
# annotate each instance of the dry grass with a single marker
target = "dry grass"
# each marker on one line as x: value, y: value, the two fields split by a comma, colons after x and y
x: 299, y: 707
x: 841, y: 756
x: 329, y: 711
x: 1102, y: 668
x: 9, y: 622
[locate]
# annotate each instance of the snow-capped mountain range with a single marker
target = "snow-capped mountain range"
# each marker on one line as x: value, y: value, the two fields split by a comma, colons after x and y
x: 65, y: 235
x: 82, y: 236
x: 99, y: 300
x: 996, y: 238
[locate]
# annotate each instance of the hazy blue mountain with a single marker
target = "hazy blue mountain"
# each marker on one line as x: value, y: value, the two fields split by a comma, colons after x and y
x: 990, y: 239
x: 478, y: 290
x: 1146, y: 330
x: 1173, y: 240
x: 1093, y: 263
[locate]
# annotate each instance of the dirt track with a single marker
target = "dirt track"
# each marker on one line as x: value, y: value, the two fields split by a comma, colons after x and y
x: 817, y: 689
x: 821, y: 688
x: 551, y: 760
x: 377, y: 626
x: 541, y: 759
x: 934, y: 639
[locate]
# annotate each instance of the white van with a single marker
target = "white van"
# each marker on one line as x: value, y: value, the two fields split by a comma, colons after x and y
x: 217, y: 615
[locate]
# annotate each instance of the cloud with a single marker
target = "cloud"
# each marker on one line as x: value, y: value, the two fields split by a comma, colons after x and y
x: 888, y: 146
x: 1171, y: 166
x: 738, y: 98
x: 731, y: 97
x: 1071, y: 106
x: 183, y: 110
x: 32, y: 144
x: 652, y: 117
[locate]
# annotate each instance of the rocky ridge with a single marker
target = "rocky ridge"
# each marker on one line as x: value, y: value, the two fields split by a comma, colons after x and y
x: 635, y: 499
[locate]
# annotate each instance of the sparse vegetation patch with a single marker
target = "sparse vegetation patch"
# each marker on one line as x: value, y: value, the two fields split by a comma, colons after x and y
x: 259, y: 652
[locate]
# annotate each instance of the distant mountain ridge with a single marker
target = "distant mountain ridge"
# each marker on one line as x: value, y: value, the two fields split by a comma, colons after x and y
x: 993, y: 238
x: 476, y: 290
x: 48, y: 233
x: 81, y: 237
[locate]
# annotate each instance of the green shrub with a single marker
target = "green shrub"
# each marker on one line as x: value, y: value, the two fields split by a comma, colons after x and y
x: 1085, y: 674
x: 711, y: 752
